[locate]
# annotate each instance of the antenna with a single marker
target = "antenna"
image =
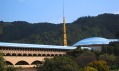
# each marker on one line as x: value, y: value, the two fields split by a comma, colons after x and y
x: 64, y: 27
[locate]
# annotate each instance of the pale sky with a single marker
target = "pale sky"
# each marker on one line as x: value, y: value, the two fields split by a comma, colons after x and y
x: 35, y: 11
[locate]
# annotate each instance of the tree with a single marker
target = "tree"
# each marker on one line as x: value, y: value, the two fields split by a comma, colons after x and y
x: 60, y: 64
x: 99, y: 65
x: 75, y: 53
x: 117, y: 35
x: 110, y: 59
x: 2, y: 63
x: 112, y: 48
x: 11, y: 69
x: 85, y: 58
x: 90, y: 69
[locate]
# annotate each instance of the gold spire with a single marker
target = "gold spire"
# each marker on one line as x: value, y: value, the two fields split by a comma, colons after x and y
x: 64, y: 28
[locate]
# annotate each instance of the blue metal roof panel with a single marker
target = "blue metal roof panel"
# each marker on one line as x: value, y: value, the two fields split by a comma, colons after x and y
x: 94, y: 41
x: 21, y: 45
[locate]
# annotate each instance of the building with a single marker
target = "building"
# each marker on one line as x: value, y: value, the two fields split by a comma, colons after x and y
x: 94, y: 43
x: 29, y: 55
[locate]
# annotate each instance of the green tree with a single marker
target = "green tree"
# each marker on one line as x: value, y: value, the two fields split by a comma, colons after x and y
x: 75, y: 53
x: 2, y: 63
x: 99, y: 65
x: 90, y: 69
x: 85, y: 58
x: 60, y: 64
x: 11, y: 68
x: 110, y: 59
x: 117, y: 35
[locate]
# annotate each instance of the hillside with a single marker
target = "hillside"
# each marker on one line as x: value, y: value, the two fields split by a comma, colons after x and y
x: 103, y: 25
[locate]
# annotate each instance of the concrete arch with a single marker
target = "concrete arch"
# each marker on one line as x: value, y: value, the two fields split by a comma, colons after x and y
x: 56, y: 54
x: 29, y: 54
x: 19, y: 54
x: 43, y: 54
x: 52, y: 55
x: 22, y: 63
x: 48, y: 54
x: 39, y: 54
x: 29, y: 59
x: 8, y: 63
x: 24, y: 54
x: 8, y: 54
x: 60, y: 55
x: 34, y: 54
x: 14, y: 54
x: 36, y: 62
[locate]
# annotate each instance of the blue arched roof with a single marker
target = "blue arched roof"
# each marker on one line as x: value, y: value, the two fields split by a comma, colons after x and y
x: 93, y: 41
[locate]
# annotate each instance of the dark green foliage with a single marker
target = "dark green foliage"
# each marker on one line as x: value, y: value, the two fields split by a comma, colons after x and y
x: 99, y: 65
x: 117, y: 34
x: 60, y: 64
x: 86, y: 57
x: 104, y: 25
x: 11, y: 69
x: 88, y: 68
x: 112, y: 48
x: 2, y: 63
x: 110, y: 59
x: 75, y: 53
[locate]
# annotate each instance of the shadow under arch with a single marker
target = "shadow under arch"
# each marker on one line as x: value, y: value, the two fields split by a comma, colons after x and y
x: 14, y: 54
x: 60, y: 55
x: 29, y: 54
x: 22, y: 63
x: 34, y: 54
x: 8, y: 63
x: 24, y: 54
x: 39, y: 54
x: 36, y: 62
x: 52, y: 55
x: 44, y: 55
x: 19, y: 54
x: 8, y: 54
x: 56, y: 54
x: 48, y: 54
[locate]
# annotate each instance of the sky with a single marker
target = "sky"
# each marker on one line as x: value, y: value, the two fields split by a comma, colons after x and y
x: 35, y: 11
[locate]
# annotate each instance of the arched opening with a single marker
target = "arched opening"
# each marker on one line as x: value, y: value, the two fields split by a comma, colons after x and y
x: 60, y: 55
x: 48, y: 54
x: 34, y: 55
x: 19, y: 55
x: 29, y: 54
x: 39, y: 54
x: 8, y: 63
x: 43, y: 55
x: 52, y: 54
x: 24, y: 54
x: 36, y: 62
x: 13, y: 54
x: 56, y: 54
x: 22, y: 63
x: 8, y: 54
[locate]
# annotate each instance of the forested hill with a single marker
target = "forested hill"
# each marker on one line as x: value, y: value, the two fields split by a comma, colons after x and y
x: 104, y: 25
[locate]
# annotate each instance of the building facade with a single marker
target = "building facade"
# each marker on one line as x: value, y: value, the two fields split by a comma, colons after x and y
x: 29, y: 55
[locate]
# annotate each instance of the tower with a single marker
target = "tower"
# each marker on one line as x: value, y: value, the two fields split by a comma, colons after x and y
x: 64, y: 28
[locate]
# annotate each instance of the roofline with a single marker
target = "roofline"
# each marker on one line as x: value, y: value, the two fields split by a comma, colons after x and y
x: 39, y: 46
x: 90, y: 45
